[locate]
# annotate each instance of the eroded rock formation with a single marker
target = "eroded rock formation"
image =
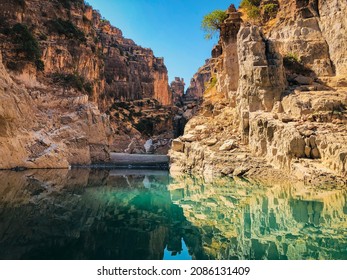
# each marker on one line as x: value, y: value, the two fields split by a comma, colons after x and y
x: 198, y: 83
x: 65, y: 73
x: 280, y: 97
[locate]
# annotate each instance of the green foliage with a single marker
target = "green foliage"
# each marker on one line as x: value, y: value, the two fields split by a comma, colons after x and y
x: 74, y: 81
x: 293, y: 64
x: 270, y: 10
x: 212, y: 83
x: 251, y: 8
x: 211, y: 23
x: 67, y: 28
x: 43, y: 37
x: 88, y: 87
x: 253, y: 13
x: 67, y: 3
x: 85, y: 19
x: 40, y: 65
x: 249, y: 3
x: 26, y: 42
x: 293, y: 57
x: 145, y: 126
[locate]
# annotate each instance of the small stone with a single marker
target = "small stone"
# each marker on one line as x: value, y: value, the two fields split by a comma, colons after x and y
x: 286, y: 119
x: 149, y: 147
x: 211, y: 142
x: 228, y: 145
x: 188, y: 138
x: 177, y: 146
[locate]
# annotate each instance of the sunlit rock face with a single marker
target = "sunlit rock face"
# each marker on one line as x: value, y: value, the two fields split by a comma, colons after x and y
x: 243, y: 220
x: 69, y: 68
x: 278, y: 92
x: 200, y: 79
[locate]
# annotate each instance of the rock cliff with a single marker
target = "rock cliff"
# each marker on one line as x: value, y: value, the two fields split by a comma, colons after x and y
x: 65, y: 72
x: 200, y: 80
x: 279, y: 99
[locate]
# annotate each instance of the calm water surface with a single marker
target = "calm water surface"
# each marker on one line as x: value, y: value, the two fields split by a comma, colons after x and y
x: 129, y: 214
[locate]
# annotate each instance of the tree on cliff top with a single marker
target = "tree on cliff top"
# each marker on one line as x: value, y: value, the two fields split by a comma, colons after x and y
x: 212, y: 23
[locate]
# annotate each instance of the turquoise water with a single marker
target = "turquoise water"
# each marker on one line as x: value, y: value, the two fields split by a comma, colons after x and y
x: 129, y: 214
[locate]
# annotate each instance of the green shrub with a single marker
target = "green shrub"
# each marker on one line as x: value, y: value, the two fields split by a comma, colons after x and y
x: 209, y: 85
x: 74, y: 81
x: 20, y: 3
x: 253, y: 13
x: 248, y: 3
x: 145, y: 126
x: 88, y: 87
x: 293, y: 57
x: 67, y: 3
x: 40, y: 65
x: 212, y: 22
x: 85, y: 19
x: 43, y: 37
x: 251, y: 8
x: 26, y: 42
x: 270, y: 10
x: 67, y: 28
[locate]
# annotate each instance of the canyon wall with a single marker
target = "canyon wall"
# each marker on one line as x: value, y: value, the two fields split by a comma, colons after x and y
x: 280, y: 97
x: 76, y: 76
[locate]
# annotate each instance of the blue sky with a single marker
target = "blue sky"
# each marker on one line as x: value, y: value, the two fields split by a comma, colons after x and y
x: 171, y: 28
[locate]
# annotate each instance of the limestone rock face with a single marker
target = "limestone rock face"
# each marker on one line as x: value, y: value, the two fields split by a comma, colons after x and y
x: 70, y: 82
x: 40, y: 134
x: 261, y: 80
x: 74, y: 39
x: 314, y: 32
x: 225, y: 54
x: 333, y: 24
x: 280, y: 94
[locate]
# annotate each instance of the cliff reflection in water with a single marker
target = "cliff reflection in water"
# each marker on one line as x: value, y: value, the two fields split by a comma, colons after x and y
x: 243, y: 220
x: 122, y: 214
x: 90, y: 214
